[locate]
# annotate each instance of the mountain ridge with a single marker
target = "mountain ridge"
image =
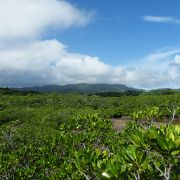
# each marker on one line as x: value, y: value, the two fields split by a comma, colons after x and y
x: 83, y: 88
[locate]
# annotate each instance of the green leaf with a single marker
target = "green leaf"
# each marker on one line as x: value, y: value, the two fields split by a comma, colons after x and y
x: 136, y: 140
x: 177, y: 142
x: 171, y: 144
x: 105, y: 174
x: 152, y: 133
x: 99, y: 163
x: 162, y: 143
x: 142, y: 157
x: 123, y: 168
x: 174, y: 153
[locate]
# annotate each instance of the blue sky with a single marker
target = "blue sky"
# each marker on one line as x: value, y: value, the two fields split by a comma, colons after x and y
x: 118, y: 34
x: 132, y: 42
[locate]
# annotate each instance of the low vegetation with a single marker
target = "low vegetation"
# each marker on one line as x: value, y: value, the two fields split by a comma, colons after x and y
x: 71, y: 136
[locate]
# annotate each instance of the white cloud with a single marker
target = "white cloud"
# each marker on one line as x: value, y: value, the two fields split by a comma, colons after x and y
x: 175, y: 66
x: 174, y: 70
x: 27, y: 19
x: 46, y: 62
x: 165, y: 68
x: 50, y: 62
x: 162, y: 55
x: 26, y: 60
x: 176, y: 60
x: 161, y: 19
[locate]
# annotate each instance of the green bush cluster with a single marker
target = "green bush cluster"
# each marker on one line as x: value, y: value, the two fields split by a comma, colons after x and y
x: 54, y: 136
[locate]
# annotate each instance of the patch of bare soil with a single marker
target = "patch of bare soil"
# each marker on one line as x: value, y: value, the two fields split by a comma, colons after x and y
x: 119, y: 123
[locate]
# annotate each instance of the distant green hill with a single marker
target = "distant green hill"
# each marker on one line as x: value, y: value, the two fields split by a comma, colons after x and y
x: 80, y: 88
x: 9, y: 91
x: 165, y: 91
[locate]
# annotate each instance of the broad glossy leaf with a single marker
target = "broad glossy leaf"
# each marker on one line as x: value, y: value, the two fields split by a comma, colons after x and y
x: 174, y: 153
x: 162, y: 143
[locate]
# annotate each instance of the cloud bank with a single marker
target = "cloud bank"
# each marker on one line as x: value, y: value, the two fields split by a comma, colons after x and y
x: 27, y: 60
x: 50, y: 62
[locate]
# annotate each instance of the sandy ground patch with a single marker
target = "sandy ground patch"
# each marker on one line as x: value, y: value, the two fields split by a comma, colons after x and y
x: 119, y: 123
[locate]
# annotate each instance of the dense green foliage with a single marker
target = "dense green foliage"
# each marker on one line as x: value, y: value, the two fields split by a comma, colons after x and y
x: 71, y: 136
